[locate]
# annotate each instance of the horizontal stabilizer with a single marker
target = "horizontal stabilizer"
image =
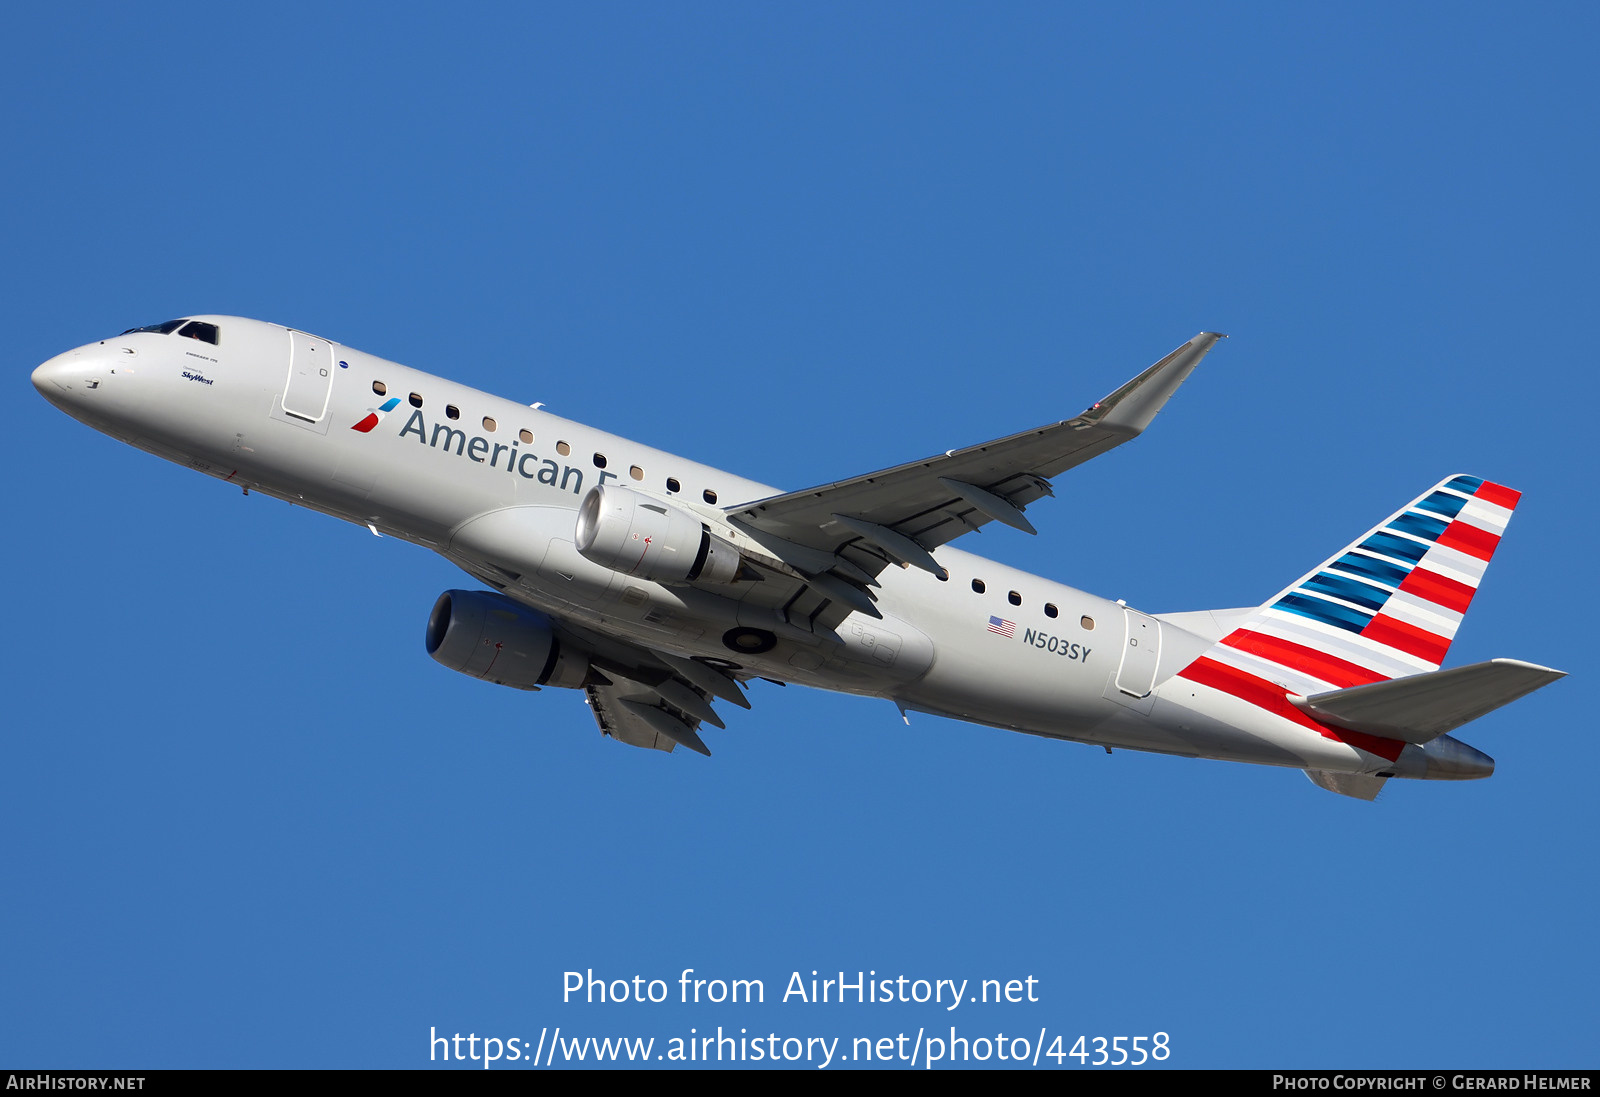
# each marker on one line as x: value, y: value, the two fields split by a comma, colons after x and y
x: 1358, y: 786
x: 1422, y: 707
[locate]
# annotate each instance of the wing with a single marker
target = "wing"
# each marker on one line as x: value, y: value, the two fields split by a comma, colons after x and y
x: 638, y: 695
x: 899, y: 514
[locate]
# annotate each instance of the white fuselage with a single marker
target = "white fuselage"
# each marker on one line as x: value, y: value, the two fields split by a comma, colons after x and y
x: 495, y: 485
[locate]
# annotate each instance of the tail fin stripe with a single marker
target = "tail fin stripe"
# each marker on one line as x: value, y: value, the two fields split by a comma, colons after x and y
x: 1328, y: 668
x: 1419, y: 525
x: 1439, y: 590
x: 1396, y: 548
x: 1370, y: 567
x: 1470, y: 540
x: 1350, y: 590
x: 1289, y: 679
x: 1468, y: 484
x: 1458, y: 566
x: 1348, y: 646
x: 1444, y: 503
x: 1320, y: 609
x: 1407, y: 638
x: 1263, y: 694
x: 1498, y: 494
x: 1486, y: 516
x: 1425, y: 615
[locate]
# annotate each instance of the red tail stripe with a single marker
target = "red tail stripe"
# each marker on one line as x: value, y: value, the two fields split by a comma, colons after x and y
x: 1441, y: 591
x: 1469, y: 539
x: 1407, y: 638
x: 1318, y: 664
x: 1498, y: 494
x: 1263, y: 694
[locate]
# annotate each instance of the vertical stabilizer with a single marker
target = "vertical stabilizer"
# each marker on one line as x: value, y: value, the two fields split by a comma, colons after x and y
x: 1385, y: 606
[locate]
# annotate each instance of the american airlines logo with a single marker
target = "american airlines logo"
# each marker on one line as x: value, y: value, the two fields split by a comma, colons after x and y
x: 375, y: 415
x: 499, y: 456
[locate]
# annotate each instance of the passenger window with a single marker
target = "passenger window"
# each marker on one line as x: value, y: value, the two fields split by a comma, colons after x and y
x: 526, y: 435
x: 672, y: 485
x: 599, y: 460
x: 380, y: 388
x: 416, y: 399
x: 488, y: 424
x: 636, y: 472
x: 1087, y: 623
x: 1014, y: 598
x: 1050, y: 610
x: 452, y: 412
x: 563, y: 449
x: 977, y: 585
x: 198, y: 329
x: 709, y: 496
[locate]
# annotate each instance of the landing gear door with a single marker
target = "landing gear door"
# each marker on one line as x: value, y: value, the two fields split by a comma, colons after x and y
x: 1141, y: 651
x: 305, y: 395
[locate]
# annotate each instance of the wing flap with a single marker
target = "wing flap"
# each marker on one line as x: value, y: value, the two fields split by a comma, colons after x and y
x: 622, y: 724
x: 1422, y: 707
x: 650, y: 699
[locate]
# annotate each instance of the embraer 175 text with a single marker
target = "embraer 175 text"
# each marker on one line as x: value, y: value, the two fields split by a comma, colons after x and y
x: 658, y: 586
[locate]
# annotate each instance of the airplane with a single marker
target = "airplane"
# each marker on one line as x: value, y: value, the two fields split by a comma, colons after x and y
x: 659, y: 586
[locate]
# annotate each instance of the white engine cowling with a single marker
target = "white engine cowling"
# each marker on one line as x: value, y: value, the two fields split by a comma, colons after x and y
x: 636, y: 535
x: 489, y: 636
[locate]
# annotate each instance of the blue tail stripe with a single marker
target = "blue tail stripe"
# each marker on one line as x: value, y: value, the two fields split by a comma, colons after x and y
x: 1327, y: 612
x: 1368, y: 568
x: 1350, y: 590
x: 1442, y: 502
x: 1468, y: 484
x: 1387, y: 544
x: 1420, y: 525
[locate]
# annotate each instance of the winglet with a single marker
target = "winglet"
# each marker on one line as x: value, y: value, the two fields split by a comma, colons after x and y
x: 1133, y: 405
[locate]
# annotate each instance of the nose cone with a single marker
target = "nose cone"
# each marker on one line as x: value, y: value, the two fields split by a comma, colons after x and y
x: 52, y: 376
x: 67, y: 379
x: 60, y: 377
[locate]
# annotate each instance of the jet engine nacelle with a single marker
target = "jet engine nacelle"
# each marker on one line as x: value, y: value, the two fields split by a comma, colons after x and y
x: 632, y: 533
x: 489, y: 636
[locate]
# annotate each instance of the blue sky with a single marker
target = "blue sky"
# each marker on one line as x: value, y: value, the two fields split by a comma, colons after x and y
x: 249, y: 823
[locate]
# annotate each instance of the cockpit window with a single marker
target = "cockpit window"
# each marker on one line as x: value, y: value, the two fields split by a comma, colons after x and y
x: 159, y: 329
x: 199, y: 329
x: 194, y: 329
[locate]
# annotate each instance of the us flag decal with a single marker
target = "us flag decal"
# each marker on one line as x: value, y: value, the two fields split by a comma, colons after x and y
x: 1001, y: 627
